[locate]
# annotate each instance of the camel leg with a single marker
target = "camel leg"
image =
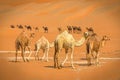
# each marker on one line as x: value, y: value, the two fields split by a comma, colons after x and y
x: 55, y: 65
x: 57, y: 61
x: 66, y: 58
x: 96, y: 58
x: 72, y: 58
x: 88, y: 55
x: 30, y: 52
x: 44, y: 51
x: 89, y: 58
x: 22, y: 54
x: 93, y: 55
x: 36, y: 54
x: 16, y: 55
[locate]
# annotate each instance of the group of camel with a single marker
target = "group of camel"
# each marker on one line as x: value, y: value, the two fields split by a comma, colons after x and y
x: 63, y: 40
x: 28, y: 27
x: 74, y: 29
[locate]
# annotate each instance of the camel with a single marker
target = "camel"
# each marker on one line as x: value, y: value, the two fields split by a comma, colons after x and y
x: 90, y: 29
x: 43, y: 44
x: 36, y: 29
x: 93, y: 46
x: 69, y: 29
x: 74, y: 29
x: 45, y: 29
x: 12, y: 26
x: 79, y: 29
x: 20, y: 26
x: 59, y: 29
x: 22, y: 42
x: 65, y: 40
x: 28, y: 27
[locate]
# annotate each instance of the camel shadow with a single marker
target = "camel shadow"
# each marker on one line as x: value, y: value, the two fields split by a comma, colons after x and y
x: 12, y: 61
x: 49, y: 66
x: 83, y: 65
x: 56, y: 68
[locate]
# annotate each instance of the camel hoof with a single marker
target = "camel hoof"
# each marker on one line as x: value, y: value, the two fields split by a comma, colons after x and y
x: 89, y: 64
x: 46, y: 60
x: 73, y: 67
x: 27, y: 60
x: 24, y: 60
x: 55, y: 67
x: 15, y: 61
x: 59, y: 67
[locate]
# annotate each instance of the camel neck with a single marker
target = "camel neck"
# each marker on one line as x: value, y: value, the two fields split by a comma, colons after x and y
x: 102, y: 43
x: 80, y: 42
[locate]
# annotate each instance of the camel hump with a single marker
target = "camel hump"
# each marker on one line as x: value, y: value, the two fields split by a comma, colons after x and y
x: 65, y: 32
x: 43, y: 37
x: 67, y: 36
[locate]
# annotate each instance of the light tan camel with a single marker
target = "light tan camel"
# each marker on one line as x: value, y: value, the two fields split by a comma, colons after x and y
x: 43, y: 44
x: 93, y: 46
x: 66, y: 41
x: 21, y: 43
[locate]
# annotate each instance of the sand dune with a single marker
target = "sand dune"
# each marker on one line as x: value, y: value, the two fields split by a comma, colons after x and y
x: 102, y: 15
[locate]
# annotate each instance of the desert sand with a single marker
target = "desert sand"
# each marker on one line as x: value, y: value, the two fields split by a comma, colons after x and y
x: 103, y: 16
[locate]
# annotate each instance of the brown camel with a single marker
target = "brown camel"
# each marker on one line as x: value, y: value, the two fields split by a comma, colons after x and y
x: 93, y: 46
x: 59, y: 29
x: 65, y: 40
x: 20, y: 26
x: 28, y: 27
x: 45, y: 29
x: 12, y: 26
x: 22, y: 42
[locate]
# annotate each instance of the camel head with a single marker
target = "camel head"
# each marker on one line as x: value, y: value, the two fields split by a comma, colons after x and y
x: 86, y: 34
x: 90, y: 29
x: 104, y: 39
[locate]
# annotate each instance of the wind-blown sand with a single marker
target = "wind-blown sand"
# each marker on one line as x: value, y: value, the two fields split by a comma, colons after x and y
x: 102, y: 15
